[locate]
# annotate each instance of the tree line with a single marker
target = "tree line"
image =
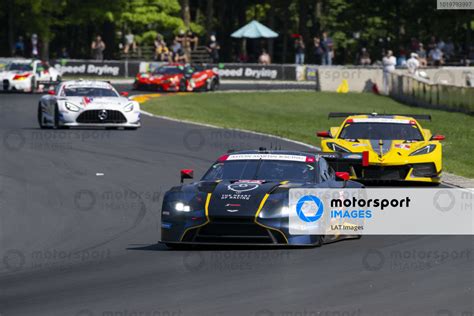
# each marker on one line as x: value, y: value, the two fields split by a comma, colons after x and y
x: 71, y: 25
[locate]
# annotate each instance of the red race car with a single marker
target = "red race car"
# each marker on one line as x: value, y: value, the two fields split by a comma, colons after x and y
x: 177, y: 77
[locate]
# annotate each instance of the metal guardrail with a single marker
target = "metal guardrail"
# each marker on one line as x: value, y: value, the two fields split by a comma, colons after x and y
x: 416, y: 92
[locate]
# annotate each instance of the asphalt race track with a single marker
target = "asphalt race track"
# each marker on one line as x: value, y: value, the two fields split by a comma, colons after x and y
x: 79, y: 224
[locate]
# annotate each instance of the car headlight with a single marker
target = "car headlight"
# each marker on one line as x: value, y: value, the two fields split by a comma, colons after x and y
x: 128, y: 107
x: 72, y: 107
x: 181, y: 207
x: 336, y: 147
x: 424, y: 150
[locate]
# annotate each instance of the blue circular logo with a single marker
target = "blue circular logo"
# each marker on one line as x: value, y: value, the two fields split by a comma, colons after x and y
x: 317, y: 204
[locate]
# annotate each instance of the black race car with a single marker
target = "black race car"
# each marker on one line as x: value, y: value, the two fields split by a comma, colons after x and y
x: 243, y: 198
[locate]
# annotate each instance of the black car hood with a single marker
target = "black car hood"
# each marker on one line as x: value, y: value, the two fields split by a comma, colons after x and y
x: 238, y: 199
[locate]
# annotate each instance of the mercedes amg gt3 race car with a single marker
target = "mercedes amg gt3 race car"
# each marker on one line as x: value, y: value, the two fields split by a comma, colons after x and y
x: 243, y: 198
x: 397, y: 147
x: 28, y: 75
x: 177, y: 77
x: 87, y: 103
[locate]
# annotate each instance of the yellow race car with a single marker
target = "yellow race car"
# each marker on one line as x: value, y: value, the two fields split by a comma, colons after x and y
x: 395, y: 147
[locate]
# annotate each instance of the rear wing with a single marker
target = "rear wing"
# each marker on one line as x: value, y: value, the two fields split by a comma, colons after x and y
x: 346, y: 114
x: 345, y: 162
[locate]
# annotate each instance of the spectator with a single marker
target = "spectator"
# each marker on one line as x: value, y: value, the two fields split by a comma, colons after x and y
x: 162, y: 52
x: 64, y: 53
x: 402, y: 58
x: 432, y: 43
x: 421, y: 52
x: 388, y: 62
x: 181, y: 57
x: 98, y: 47
x: 19, y: 49
x: 264, y: 58
x: 328, y: 46
x: 181, y: 37
x: 448, y: 49
x: 129, y: 42
x: 440, y: 44
x: 413, y: 64
x: 175, y: 48
x: 318, y: 51
x: 192, y: 39
x: 436, y: 57
x: 213, y: 49
x: 414, y: 44
x: 365, y: 57
x: 34, y: 46
x: 299, y: 50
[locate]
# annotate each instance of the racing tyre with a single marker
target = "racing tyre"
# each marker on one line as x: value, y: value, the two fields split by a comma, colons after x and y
x: 56, y: 119
x: 33, y: 84
x: 182, y: 86
x: 214, y: 85
x: 40, y: 117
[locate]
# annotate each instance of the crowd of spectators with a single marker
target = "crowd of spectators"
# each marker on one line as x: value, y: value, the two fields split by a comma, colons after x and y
x: 178, y: 50
x: 29, y: 49
x: 435, y: 52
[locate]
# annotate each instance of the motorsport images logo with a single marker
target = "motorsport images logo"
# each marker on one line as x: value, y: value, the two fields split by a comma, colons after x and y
x: 309, y: 204
x: 378, y: 211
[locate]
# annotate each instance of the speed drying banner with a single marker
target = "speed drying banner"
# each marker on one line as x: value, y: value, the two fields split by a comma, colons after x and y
x: 416, y: 211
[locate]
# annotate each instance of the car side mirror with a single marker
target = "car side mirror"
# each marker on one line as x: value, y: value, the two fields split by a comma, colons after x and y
x: 343, y: 176
x: 438, y: 137
x: 124, y: 94
x: 324, y: 134
x: 186, y: 174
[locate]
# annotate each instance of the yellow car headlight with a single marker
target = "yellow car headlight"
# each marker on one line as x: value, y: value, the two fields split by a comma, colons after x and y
x: 336, y: 147
x: 424, y: 150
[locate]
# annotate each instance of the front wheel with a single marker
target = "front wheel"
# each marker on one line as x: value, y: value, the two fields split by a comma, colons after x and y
x: 40, y: 117
x: 214, y: 85
x: 182, y: 86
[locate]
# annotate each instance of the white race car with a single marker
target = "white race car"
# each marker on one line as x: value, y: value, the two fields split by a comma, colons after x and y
x: 87, y: 103
x: 28, y: 75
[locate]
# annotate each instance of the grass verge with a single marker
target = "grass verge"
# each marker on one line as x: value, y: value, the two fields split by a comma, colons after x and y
x: 298, y: 115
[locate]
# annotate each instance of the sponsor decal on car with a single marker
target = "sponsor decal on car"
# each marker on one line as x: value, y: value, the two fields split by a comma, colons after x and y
x: 267, y: 157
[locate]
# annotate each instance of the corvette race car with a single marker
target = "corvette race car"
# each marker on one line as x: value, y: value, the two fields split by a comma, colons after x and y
x: 243, y: 198
x: 87, y: 103
x: 28, y: 75
x: 397, y: 147
x: 177, y: 77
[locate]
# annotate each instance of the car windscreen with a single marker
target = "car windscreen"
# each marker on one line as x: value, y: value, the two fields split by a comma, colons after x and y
x: 270, y: 170
x: 168, y: 71
x: 387, y: 131
x: 89, y: 92
x: 19, y: 67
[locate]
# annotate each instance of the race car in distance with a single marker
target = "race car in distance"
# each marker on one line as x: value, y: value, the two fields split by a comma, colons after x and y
x: 87, y: 103
x: 28, y: 75
x: 177, y: 77
x: 397, y: 147
x: 243, y: 198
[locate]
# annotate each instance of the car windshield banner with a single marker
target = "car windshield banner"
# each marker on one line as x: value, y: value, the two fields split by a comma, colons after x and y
x: 418, y: 211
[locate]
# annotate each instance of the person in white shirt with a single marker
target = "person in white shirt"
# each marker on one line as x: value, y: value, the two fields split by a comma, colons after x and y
x: 388, y: 62
x: 413, y: 63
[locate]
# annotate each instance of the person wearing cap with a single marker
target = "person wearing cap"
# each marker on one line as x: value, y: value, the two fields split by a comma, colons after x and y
x: 213, y: 49
x: 413, y: 64
x: 421, y: 52
x: 388, y: 62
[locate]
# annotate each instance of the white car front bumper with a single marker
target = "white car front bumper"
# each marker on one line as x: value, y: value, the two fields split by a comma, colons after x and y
x: 98, y: 118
